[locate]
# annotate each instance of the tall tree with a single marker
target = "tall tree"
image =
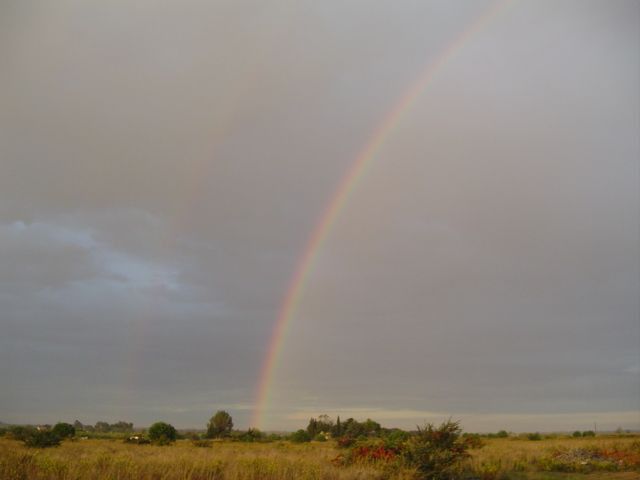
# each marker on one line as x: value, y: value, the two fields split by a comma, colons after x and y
x: 337, y: 429
x: 219, y: 425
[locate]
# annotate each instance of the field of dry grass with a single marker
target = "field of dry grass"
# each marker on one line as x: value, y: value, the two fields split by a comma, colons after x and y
x: 104, y: 459
x: 523, y: 459
x: 111, y: 459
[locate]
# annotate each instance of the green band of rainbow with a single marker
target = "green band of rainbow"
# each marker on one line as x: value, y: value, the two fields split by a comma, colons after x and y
x: 338, y: 200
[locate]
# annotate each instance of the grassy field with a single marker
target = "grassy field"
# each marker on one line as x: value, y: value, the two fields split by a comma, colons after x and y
x: 111, y: 459
x: 522, y: 459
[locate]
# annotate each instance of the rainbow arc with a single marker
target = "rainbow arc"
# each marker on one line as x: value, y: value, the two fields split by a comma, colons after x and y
x: 340, y: 198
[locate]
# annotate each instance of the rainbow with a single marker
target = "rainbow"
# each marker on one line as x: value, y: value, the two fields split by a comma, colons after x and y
x: 338, y: 200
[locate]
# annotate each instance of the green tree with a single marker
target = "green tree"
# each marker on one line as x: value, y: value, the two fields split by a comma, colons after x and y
x: 371, y: 427
x: 325, y: 424
x: 219, y: 425
x: 64, y: 430
x: 337, y: 428
x: 300, y: 436
x: 352, y: 428
x: 312, y: 427
x: 102, y: 427
x: 162, y: 433
x: 122, y: 427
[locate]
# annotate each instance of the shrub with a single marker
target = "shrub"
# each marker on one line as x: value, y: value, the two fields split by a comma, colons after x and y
x: 64, y: 430
x: 162, y: 433
x: 346, y: 441
x: 374, y: 451
x: 41, y: 439
x: 251, y: 435
x: 395, y: 438
x: 577, y: 433
x: 300, y: 436
x: 534, y: 436
x: 19, y: 432
x: 589, y: 433
x: 437, y: 452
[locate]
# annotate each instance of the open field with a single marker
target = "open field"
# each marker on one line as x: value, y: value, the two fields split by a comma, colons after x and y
x: 510, y: 458
x: 523, y: 459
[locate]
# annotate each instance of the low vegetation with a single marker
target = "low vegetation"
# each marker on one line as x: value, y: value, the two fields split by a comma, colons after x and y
x: 324, y: 450
x: 162, y: 433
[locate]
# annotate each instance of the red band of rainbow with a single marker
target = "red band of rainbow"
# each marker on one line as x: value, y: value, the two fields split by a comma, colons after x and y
x: 339, y: 199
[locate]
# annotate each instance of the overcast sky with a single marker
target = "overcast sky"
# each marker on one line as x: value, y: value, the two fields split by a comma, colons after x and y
x: 163, y: 163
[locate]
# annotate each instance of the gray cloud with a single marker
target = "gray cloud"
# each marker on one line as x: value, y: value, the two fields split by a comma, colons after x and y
x: 163, y: 166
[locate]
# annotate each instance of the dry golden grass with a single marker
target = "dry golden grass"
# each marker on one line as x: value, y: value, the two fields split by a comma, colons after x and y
x: 519, y: 458
x: 112, y: 459
x: 104, y: 459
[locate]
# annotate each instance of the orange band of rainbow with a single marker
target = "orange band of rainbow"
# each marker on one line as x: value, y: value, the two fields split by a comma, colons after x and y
x: 337, y: 201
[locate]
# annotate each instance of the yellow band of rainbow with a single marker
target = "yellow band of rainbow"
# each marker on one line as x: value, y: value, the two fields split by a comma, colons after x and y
x: 338, y: 200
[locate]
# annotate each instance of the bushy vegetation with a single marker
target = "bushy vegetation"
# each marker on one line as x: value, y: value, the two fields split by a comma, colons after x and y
x: 19, y: 432
x: 437, y: 452
x: 324, y: 450
x: 251, y: 435
x: 104, y: 427
x: 300, y: 436
x: 64, y: 430
x: 432, y: 452
x: 220, y: 425
x: 162, y: 433
x: 42, y: 439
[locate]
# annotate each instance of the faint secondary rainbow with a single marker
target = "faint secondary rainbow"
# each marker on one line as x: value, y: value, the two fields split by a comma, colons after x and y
x: 337, y: 201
